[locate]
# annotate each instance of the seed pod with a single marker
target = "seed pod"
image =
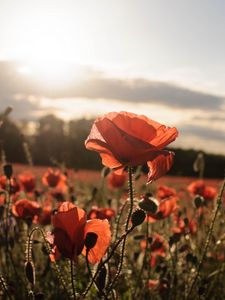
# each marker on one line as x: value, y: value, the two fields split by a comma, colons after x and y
x: 30, y: 272
x: 138, y: 217
x: 8, y: 171
x: 101, y: 278
x: 39, y: 296
x: 199, y: 201
x: 149, y: 204
x: 90, y: 240
x: 105, y: 172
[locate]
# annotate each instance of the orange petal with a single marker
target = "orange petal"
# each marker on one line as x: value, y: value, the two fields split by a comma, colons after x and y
x: 165, y: 136
x: 102, y: 229
x: 160, y: 165
x: 71, y: 221
x: 135, y: 125
x: 123, y: 146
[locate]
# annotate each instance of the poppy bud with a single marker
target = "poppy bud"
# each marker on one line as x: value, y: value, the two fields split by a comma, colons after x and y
x: 30, y: 272
x: 138, y: 217
x: 8, y: 171
x: 105, y: 172
x: 39, y: 296
x: 90, y: 240
x: 7, y: 111
x: 149, y: 204
x: 100, y: 280
x: 199, y: 201
x: 174, y: 239
x: 191, y: 258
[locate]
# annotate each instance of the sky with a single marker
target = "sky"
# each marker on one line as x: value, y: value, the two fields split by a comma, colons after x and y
x: 164, y: 59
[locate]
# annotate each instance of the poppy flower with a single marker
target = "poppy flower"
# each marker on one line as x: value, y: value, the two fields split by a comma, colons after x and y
x: 54, y: 178
x: 116, y: 181
x: 185, y: 226
x: 101, y: 213
x: 165, y: 208
x: 70, y: 231
x: 45, y: 216
x: 28, y: 181
x: 14, y: 186
x: 199, y: 187
x: 165, y: 192
x: 126, y: 139
x: 25, y: 208
x: 158, y: 247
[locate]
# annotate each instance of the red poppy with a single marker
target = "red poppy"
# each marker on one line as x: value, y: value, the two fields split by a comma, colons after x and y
x: 28, y: 181
x: 45, y: 216
x: 101, y: 213
x: 14, y: 186
x: 158, y: 247
x: 185, y: 226
x: 70, y: 230
x: 54, y: 178
x: 126, y: 139
x: 165, y: 192
x: 165, y: 208
x: 116, y: 181
x: 25, y: 208
x: 199, y: 187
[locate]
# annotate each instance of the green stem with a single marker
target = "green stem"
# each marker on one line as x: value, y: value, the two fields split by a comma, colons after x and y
x: 208, y: 238
x: 91, y: 275
x: 72, y: 279
x: 131, y: 196
x: 106, y: 261
x: 143, y: 262
x: 48, y: 248
x: 4, y: 287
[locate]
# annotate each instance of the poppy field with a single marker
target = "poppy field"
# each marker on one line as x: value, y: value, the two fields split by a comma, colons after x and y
x: 114, y: 234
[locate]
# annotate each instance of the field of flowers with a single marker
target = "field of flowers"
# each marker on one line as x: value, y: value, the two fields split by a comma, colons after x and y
x: 114, y: 234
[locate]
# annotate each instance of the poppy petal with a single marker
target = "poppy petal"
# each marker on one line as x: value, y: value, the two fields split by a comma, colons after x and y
x: 63, y: 243
x: 71, y: 221
x: 102, y: 229
x: 165, y: 136
x: 160, y: 165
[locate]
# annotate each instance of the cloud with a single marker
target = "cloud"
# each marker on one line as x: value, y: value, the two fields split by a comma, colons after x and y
x: 146, y: 91
x: 97, y: 86
x: 204, y: 132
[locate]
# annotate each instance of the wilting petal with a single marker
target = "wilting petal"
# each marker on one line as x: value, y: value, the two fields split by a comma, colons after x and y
x: 160, y: 165
x: 102, y: 229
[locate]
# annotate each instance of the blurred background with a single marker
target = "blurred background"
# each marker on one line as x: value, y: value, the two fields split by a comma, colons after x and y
x: 63, y: 63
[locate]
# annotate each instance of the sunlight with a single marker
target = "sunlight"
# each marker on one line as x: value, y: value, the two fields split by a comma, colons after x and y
x: 51, y: 73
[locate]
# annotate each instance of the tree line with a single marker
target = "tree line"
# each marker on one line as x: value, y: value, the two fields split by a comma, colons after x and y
x: 56, y: 141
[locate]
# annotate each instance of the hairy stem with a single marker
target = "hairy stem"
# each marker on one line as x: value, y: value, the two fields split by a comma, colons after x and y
x: 208, y: 239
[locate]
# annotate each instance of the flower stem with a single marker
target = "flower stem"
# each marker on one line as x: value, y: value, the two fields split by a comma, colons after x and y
x: 48, y: 248
x: 101, y: 292
x: 106, y: 261
x: 72, y: 279
x: 131, y: 196
x: 208, y: 238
